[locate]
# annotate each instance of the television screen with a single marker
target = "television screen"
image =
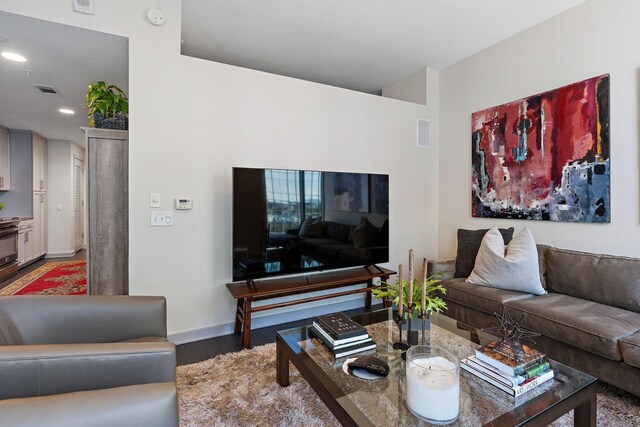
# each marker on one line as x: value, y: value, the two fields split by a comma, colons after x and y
x: 295, y: 221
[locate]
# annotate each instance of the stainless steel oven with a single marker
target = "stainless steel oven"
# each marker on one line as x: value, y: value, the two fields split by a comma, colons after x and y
x: 8, y: 248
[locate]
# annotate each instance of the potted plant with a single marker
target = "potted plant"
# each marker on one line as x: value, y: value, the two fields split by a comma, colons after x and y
x: 107, y: 106
x: 433, y: 301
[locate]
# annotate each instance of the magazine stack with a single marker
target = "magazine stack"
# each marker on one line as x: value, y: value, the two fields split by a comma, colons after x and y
x: 341, y: 335
x: 497, y: 364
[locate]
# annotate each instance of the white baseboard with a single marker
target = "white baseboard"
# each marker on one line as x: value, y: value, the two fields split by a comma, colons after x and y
x: 60, y: 254
x: 264, y: 321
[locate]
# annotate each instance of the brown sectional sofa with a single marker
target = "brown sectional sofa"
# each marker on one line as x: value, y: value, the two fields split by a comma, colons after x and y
x: 336, y: 244
x: 590, y: 318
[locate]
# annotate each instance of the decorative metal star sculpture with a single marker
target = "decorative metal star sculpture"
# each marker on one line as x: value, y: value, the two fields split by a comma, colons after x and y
x: 510, y: 333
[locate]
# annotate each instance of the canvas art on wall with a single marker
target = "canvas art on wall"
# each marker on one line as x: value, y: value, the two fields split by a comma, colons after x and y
x: 544, y: 157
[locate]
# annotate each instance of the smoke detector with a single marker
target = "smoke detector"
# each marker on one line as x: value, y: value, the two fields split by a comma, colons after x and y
x: 155, y: 16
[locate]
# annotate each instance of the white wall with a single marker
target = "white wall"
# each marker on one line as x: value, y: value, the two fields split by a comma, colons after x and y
x: 192, y: 120
x: 412, y: 88
x: 594, y: 38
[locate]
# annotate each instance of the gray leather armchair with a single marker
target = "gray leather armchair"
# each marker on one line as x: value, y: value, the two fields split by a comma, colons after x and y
x: 86, y: 361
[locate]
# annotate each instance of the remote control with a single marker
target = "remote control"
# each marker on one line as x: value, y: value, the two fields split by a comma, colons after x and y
x: 370, y: 364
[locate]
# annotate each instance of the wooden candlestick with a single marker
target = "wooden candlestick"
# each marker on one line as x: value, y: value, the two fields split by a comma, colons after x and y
x: 410, y: 295
x: 424, y: 287
x: 400, y: 292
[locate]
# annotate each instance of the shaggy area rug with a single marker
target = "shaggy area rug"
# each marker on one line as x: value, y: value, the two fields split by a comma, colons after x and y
x: 53, y: 278
x: 239, y: 389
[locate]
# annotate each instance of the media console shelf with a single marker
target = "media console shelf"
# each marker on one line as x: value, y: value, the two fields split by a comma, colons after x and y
x: 247, y: 292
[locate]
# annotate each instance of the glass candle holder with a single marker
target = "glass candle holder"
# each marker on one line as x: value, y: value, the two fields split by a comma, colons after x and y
x: 433, y: 384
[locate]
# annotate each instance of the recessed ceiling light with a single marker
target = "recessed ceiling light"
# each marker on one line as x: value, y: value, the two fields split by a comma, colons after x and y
x: 12, y: 56
x: 66, y: 111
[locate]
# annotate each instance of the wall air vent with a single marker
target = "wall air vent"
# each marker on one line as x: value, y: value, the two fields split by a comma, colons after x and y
x: 48, y: 90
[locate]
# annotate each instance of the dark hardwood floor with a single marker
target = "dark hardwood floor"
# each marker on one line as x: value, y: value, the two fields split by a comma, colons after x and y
x: 202, y: 350
x: 79, y: 256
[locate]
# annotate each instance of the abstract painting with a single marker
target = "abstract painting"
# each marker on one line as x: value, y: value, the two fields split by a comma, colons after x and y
x: 544, y: 157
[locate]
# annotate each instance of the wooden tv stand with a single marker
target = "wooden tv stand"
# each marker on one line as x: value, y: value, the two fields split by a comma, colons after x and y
x: 247, y: 292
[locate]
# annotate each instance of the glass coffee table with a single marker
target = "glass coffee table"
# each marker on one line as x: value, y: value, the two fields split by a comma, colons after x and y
x: 356, y: 402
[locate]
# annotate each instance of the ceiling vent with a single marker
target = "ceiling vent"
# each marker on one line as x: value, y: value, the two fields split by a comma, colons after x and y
x: 48, y: 90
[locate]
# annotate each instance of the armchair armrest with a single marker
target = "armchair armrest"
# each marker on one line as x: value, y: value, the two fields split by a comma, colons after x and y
x: 446, y: 267
x: 38, y: 370
x: 148, y: 405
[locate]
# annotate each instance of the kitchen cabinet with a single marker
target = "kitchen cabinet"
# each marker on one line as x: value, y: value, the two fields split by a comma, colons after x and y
x: 39, y: 163
x: 39, y: 224
x: 25, y: 242
x: 5, y: 164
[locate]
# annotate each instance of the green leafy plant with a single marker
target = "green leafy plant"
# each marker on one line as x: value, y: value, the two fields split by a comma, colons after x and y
x: 108, y: 100
x: 433, y: 301
x: 2, y: 205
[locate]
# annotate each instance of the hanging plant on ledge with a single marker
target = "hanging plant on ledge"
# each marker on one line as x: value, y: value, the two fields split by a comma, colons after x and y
x: 107, y: 106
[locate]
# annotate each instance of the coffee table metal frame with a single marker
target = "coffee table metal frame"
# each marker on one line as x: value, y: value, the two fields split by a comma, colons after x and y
x: 536, y: 412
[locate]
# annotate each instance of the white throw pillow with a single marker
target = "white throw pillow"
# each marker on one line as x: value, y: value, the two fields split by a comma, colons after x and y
x: 514, y: 268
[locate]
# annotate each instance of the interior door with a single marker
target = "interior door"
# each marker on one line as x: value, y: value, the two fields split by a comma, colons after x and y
x: 78, y: 203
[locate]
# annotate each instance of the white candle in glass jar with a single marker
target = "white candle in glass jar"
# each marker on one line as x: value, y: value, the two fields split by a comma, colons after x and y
x: 433, y: 389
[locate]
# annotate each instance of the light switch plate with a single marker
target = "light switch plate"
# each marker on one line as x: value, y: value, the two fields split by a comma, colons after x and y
x: 161, y: 219
x: 154, y: 200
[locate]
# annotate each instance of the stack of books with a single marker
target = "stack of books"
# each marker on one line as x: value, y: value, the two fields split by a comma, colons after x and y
x: 341, y: 335
x: 498, y: 365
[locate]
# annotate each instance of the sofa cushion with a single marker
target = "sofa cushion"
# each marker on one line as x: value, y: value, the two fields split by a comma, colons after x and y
x: 364, y: 235
x: 332, y: 251
x: 354, y: 256
x: 312, y: 244
x: 481, y: 298
x: 338, y: 232
x: 630, y: 347
x: 607, y: 279
x: 311, y: 227
x: 514, y: 268
x: 584, y: 324
x: 468, y: 245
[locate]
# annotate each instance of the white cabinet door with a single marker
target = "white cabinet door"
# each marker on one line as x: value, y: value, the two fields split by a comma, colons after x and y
x: 21, y: 254
x: 5, y: 169
x: 38, y: 224
x: 39, y: 163
x: 28, y: 245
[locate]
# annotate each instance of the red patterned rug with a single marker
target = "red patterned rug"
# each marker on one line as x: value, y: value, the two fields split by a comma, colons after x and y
x: 53, y: 278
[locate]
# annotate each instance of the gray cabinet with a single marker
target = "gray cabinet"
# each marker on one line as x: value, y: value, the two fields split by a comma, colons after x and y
x: 5, y: 164
x: 107, y: 162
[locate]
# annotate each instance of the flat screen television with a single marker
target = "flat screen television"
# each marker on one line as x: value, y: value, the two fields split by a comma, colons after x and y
x: 296, y: 221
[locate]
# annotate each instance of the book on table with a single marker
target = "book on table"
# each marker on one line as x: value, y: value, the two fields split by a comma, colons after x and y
x: 351, y: 339
x: 505, y: 383
x: 326, y: 339
x: 514, y: 381
x: 508, y: 358
x: 339, y: 326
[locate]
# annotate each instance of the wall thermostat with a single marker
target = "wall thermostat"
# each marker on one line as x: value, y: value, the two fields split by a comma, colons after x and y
x: 183, y: 203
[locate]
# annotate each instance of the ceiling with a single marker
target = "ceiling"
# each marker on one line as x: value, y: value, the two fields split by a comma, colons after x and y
x: 362, y: 45
x: 65, y: 57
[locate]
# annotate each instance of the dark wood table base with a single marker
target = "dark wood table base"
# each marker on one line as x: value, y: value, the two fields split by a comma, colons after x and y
x: 246, y: 293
